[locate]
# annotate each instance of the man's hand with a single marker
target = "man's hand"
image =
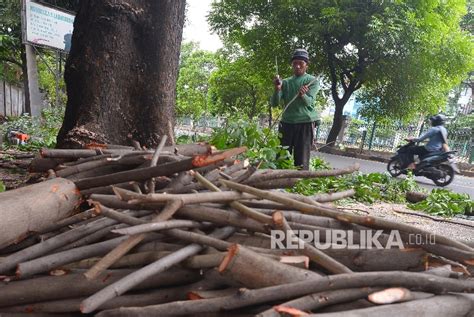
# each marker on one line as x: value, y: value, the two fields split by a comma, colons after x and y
x: 277, y: 82
x: 409, y: 139
x: 303, y: 90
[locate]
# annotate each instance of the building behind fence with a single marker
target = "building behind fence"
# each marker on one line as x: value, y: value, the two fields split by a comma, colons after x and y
x: 363, y: 136
x: 12, y: 100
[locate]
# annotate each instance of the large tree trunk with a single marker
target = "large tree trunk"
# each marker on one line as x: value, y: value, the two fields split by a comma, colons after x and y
x: 121, y: 72
x: 336, y: 124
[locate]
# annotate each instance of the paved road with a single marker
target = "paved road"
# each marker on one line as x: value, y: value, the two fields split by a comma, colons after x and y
x: 461, y: 184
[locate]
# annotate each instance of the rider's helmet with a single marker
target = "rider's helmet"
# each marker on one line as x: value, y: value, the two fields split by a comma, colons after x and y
x: 438, y: 119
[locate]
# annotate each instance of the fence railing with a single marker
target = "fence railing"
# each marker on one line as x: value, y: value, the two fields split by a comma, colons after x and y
x: 364, y: 136
x: 12, y: 100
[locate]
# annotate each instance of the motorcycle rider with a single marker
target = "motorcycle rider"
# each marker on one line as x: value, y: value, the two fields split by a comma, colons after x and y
x: 438, y: 141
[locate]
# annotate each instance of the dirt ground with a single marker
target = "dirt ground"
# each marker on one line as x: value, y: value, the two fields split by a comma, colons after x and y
x: 464, y: 231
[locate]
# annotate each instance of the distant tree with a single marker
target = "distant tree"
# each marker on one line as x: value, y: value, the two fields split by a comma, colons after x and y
x: 406, y: 54
x: 11, y: 49
x: 236, y: 88
x: 195, y: 67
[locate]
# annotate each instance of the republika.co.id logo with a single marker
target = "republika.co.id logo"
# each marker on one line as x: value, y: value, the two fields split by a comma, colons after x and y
x: 346, y: 239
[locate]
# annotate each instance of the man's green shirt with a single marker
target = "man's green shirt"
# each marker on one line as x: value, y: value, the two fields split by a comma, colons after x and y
x: 301, y: 110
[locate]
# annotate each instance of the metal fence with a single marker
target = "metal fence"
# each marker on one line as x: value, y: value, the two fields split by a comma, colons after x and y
x: 12, y: 100
x: 363, y: 136
x: 387, y: 138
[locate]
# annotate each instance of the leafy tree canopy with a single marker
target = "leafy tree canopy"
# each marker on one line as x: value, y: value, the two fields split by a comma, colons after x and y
x: 237, y: 88
x: 192, y: 86
x: 406, y: 54
x: 10, y: 40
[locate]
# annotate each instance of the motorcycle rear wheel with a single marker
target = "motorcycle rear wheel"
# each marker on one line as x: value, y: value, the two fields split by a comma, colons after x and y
x: 448, y: 175
x: 394, y: 167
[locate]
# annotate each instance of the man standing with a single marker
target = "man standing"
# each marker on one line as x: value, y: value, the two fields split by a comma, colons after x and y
x: 297, y: 123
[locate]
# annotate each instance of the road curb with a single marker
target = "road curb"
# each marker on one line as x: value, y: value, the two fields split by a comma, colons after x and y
x: 352, y: 153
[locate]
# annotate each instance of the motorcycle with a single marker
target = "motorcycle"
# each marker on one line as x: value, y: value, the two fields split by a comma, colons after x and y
x: 437, y: 166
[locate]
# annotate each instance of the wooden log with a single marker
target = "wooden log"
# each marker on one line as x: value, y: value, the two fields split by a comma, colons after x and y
x: 251, y: 240
x: 128, y: 261
x: 182, y: 149
x: 312, y: 220
x: 369, y: 221
x: 319, y: 300
x: 160, y: 182
x: 357, y: 304
x: 141, y: 174
x: 246, y: 211
x: 130, y: 281
x: 52, y: 261
x: 131, y: 242
x: 82, y: 167
x: 69, y: 221
x: 138, y: 174
x: 97, y: 172
x: 267, y: 175
x: 314, y: 254
x: 41, y: 165
x: 157, y: 226
x: 220, y: 217
x: 254, y: 270
x: 366, y: 260
x: 75, y: 285
x: 414, y: 197
x: 212, y: 176
x: 183, y: 235
x: 239, y: 178
x: 25, y: 243
x: 453, y: 253
x: 34, y: 207
x: 437, y: 306
x: 6, y: 314
x: 113, y: 201
x: 154, y: 161
x: 276, y: 183
x: 206, y: 294
x: 91, y: 238
x: 56, y: 242
x: 84, y: 160
x: 187, y: 199
x: 396, y: 295
x: 150, y: 297
x: 246, y: 298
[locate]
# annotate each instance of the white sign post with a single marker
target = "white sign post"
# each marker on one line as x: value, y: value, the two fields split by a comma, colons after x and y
x: 46, y: 26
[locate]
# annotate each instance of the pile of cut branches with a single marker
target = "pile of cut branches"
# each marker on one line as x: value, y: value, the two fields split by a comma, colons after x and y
x: 186, y: 230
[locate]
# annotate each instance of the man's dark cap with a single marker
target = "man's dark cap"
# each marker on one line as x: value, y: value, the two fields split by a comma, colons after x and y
x: 301, y: 54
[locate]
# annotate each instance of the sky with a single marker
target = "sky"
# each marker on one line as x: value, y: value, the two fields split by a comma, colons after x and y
x: 196, y: 28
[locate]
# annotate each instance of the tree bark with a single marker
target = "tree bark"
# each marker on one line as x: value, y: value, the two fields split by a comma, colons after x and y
x: 246, y: 298
x: 279, y: 174
x: 336, y: 123
x: 54, y: 243
x: 35, y: 207
x: 254, y: 270
x: 130, y: 281
x: 319, y: 300
x: 437, y: 306
x: 132, y: 89
x: 150, y: 297
x: 76, y: 285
